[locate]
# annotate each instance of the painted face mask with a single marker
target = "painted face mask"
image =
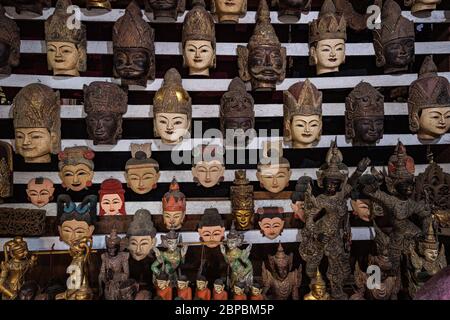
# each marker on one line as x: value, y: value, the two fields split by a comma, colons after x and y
x: 76, y: 168
x: 141, y: 235
x: 228, y: 11
x: 174, y: 207
x: 211, y: 228
x: 273, y: 171
x: 112, y: 198
x: 208, y: 169
x: 141, y: 171
x: 271, y: 221
x: 40, y: 191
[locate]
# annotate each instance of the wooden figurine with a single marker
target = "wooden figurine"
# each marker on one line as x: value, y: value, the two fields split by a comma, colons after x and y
x: 164, y: 289
x: 40, y: 191
x: 6, y: 171
x: 242, y: 203
x: 141, y: 235
x: 273, y: 170
x: 298, y: 197
x: 228, y: 11
x: 165, y: 10
x: 211, y: 228
x: 114, y: 269
x: 256, y: 292
x: 16, y: 265
x: 219, y: 292
x: 141, y: 171
x: 289, y: 11
x: 174, y: 207
x: 66, y: 44
x: 263, y: 60
x: 429, y: 103
x: 76, y: 168
x: 111, y: 198
x: 302, y: 105
x: 133, y: 48
x: 239, y: 291
x: 208, y: 165
x: 37, y: 123
x: 318, y: 289
x: 271, y: 221
x: 282, y: 281
x: 327, y: 35
x: 9, y: 43
x: 202, y: 292
x: 199, y: 40
x: 363, y: 207
x: 184, y: 292
x: 394, y: 42
x: 129, y: 290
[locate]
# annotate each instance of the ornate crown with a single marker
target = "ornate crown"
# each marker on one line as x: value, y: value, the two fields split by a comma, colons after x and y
x: 76, y: 155
x: 107, y: 97
x: 171, y: 97
x: 400, y: 165
x: 303, y: 99
x: 329, y: 24
x: 430, y: 241
x: 428, y: 91
x: 333, y: 168
x: 56, y: 26
x: 131, y: 30
x: 264, y: 33
x: 174, y: 199
x: 393, y: 24
x: 198, y: 24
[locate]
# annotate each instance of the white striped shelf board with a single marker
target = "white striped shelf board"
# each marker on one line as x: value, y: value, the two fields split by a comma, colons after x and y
x: 212, y: 111
x: 229, y: 49
x: 251, y: 236
x: 436, y: 16
x: 200, y: 85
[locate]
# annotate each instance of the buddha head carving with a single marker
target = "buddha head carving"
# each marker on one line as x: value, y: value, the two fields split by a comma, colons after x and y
x: 394, y: 42
x: 105, y: 103
x: 76, y: 221
x: 333, y: 174
x: 228, y: 11
x: 211, y: 228
x: 273, y: 171
x: 208, y: 167
x: 242, y: 204
x: 6, y: 170
x: 422, y: 5
x: 298, y: 197
x: 174, y: 207
x: 165, y: 10
x: 112, y: 198
x: 133, y: 48
x: 237, y: 113
x: 263, y: 61
x: 271, y: 221
x: 199, y: 40
x: 76, y: 168
x: 327, y: 35
x: 401, y: 168
x: 37, y: 123
x: 429, y: 103
x: 141, y: 171
x: 172, y: 109
x: 35, y: 6
x: 289, y: 11
x: 9, y: 43
x: 66, y: 47
x: 141, y: 235
x: 302, y: 114
x: 364, y: 115
x: 99, y: 4
x: 40, y: 191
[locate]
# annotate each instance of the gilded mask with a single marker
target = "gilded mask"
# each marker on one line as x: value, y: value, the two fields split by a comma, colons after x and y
x: 429, y: 103
x: 133, y: 48
x: 37, y: 123
x: 242, y: 203
x: 208, y: 169
x: 76, y: 168
x: 364, y: 115
x: 172, y: 109
x: 141, y: 235
x: 76, y: 222
x: 104, y: 103
x: 229, y: 11
x: 302, y: 114
x: 236, y: 112
x: 289, y: 11
x: 298, y: 197
x: 40, y: 191
x: 394, y: 42
x: 263, y: 61
x: 174, y: 207
x: 35, y: 6
x: 111, y: 198
x: 6, y: 170
x: 271, y: 221
x: 9, y: 43
x: 99, y: 4
x: 199, y: 40
x: 141, y: 171
x: 273, y: 171
x: 165, y: 10
x: 66, y: 47
x: 422, y: 5
x: 327, y: 36
x: 211, y: 228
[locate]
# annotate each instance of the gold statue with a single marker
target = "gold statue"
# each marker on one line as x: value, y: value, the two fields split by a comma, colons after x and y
x: 14, y: 268
x: 77, y: 283
x: 318, y: 289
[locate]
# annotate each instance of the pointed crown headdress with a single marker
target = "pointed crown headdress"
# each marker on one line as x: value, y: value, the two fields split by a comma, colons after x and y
x: 329, y: 24
x: 264, y: 33
x: 174, y: 199
x: 199, y: 24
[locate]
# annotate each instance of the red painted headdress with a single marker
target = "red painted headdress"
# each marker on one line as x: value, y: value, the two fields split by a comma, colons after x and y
x: 112, y: 186
x: 174, y: 199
